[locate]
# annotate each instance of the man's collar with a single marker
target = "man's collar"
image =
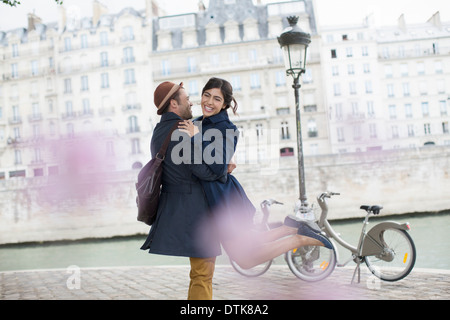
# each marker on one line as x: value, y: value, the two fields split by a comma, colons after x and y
x: 169, y: 116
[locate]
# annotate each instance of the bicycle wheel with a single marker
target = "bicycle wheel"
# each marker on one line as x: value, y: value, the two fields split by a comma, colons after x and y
x: 311, y: 263
x: 398, y: 256
x: 252, y: 272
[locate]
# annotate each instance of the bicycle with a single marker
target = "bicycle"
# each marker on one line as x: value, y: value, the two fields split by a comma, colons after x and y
x: 387, y: 249
x: 263, y: 225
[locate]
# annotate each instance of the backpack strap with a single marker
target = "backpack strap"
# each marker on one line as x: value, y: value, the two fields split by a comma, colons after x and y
x: 162, y: 152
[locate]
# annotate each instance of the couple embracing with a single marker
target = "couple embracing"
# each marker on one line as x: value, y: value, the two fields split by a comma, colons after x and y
x: 202, y: 205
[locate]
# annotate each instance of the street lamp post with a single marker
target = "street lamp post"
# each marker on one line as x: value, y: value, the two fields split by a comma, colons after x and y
x: 294, y: 43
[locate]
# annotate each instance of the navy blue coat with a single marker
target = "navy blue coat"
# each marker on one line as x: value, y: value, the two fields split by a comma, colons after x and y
x: 183, y: 223
x: 224, y: 198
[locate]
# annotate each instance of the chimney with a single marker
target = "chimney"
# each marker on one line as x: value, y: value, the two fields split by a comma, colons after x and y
x: 33, y: 20
x: 401, y: 23
x: 201, y: 6
x: 62, y: 18
x: 435, y: 20
x: 98, y: 10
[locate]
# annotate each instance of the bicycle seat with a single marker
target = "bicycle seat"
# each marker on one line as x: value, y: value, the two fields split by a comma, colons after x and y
x: 373, y: 209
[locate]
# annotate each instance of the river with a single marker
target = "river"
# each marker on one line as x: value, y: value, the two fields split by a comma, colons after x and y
x: 430, y: 233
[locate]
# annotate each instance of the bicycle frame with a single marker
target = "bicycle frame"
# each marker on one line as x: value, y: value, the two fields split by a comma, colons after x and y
x: 369, y: 243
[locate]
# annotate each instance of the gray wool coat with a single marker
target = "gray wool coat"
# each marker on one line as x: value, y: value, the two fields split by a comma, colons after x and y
x: 183, y: 226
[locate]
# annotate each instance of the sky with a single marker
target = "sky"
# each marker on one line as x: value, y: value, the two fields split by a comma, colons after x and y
x: 329, y: 12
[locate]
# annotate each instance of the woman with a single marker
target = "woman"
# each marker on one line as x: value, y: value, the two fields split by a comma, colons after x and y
x: 232, y: 209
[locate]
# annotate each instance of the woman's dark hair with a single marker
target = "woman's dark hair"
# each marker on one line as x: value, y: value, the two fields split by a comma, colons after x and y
x: 226, y: 89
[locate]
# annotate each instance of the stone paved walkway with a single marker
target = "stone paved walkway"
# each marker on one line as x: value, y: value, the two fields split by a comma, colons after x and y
x: 171, y: 283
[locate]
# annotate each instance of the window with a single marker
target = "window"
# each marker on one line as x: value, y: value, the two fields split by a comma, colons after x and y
x: 129, y: 76
x: 405, y: 86
x: 34, y: 68
x: 191, y: 65
x: 67, y: 86
x: 425, y: 109
x: 280, y: 79
x: 340, y: 134
x: 234, y: 57
x: 236, y: 83
x: 445, y: 127
x: 193, y: 87
x: 372, y: 130
x: 254, y: 81
x: 84, y: 83
x: 385, y: 52
x: 427, y: 128
x: 390, y: 90
x: 333, y: 54
x: 423, y: 88
x: 370, y: 109
x: 410, y: 130
x: 103, y: 59
x: 259, y: 130
x: 165, y: 67
x: 420, y: 68
x: 70, y: 130
x: 252, y: 55
x: 368, y: 85
x: 366, y: 68
x: 350, y: 69
x: 408, y: 110
x: 337, y: 89
x: 286, y: 152
x: 438, y: 67
x: 35, y: 110
x: 84, y: 42
x: 338, y: 108
x: 103, y: 38
x: 312, y: 128
x: 104, y: 78
x: 364, y: 51
x: 285, y: 130
x: 352, y: 87
x: 349, y: 52
x: 86, y: 106
x: 335, y: 70
x: 14, y: 71
x: 135, y: 146
x: 69, y: 109
x: 394, y: 131
x: 128, y: 56
x: 307, y: 76
x: 109, y: 148
x: 37, y: 155
x: 388, y: 71
x: 443, y: 107
x: 67, y: 44
x: 127, y: 33
x: 404, y: 70
x: 392, y: 111
x: 133, y: 124
x: 15, y: 50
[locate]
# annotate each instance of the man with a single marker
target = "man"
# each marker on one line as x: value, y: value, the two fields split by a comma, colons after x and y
x: 181, y: 227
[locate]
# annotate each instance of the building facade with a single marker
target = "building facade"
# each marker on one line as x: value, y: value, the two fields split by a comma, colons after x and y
x: 387, y: 88
x: 76, y: 95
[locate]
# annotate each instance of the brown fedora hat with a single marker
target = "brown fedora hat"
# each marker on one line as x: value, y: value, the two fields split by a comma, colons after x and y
x: 163, y: 93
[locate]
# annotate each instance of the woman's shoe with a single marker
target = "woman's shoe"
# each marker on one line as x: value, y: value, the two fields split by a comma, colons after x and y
x: 295, y: 222
x: 307, y: 231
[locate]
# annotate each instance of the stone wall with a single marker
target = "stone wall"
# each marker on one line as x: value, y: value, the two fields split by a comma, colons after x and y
x: 103, y: 205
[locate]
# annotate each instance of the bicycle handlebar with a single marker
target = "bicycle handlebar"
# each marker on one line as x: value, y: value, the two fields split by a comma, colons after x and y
x: 269, y: 202
x: 328, y: 194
